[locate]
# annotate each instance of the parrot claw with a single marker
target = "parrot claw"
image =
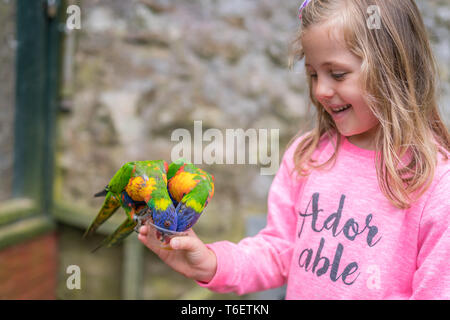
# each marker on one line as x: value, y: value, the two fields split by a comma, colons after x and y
x: 141, y: 218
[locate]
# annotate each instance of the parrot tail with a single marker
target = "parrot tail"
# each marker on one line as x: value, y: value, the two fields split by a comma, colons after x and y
x: 121, y: 233
x: 110, y: 205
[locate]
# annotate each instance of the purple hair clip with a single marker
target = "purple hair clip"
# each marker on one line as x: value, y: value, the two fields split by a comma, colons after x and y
x: 304, y: 4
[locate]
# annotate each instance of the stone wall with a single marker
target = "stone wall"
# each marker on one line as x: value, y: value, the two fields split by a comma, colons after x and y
x: 143, y: 68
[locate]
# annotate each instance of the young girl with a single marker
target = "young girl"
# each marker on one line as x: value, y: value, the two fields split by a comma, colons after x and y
x: 360, y: 206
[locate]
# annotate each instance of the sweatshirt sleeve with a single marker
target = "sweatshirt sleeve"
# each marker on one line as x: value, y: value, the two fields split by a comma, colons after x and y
x: 261, y: 262
x: 432, y: 277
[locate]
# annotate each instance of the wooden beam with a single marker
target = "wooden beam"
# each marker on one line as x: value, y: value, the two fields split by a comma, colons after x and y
x: 30, y: 99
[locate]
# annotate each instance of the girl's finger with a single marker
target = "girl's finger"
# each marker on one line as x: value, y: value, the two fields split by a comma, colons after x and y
x: 143, y: 230
x: 142, y: 238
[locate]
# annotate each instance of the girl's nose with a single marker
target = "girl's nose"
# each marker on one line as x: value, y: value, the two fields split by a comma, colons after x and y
x: 324, y: 90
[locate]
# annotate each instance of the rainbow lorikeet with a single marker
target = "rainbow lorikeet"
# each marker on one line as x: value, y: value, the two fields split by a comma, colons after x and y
x: 190, y: 188
x: 140, y: 188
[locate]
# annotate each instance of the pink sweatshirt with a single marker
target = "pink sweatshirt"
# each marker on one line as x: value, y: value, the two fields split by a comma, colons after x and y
x: 334, y: 235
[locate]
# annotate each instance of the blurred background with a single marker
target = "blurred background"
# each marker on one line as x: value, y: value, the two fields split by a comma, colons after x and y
x: 76, y: 104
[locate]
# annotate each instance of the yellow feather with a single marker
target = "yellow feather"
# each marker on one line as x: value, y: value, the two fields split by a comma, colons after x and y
x: 162, y: 204
x: 195, y: 205
x: 181, y: 184
x: 139, y: 189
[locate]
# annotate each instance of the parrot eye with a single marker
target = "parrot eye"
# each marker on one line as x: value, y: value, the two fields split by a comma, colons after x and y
x: 167, y: 224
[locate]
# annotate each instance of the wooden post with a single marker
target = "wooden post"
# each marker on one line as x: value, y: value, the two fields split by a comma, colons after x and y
x: 133, y: 269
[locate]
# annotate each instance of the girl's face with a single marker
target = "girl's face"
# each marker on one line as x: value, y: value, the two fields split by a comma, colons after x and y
x: 335, y: 74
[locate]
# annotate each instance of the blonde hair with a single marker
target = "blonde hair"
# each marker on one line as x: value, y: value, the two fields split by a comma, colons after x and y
x: 399, y: 77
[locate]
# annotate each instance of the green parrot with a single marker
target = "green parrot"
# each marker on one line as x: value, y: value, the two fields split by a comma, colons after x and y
x: 140, y: 188
x: 191, y: 189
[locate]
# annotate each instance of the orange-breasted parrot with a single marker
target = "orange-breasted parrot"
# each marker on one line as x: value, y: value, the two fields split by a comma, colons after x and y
x: 190, y: 188
x: 140, y: 188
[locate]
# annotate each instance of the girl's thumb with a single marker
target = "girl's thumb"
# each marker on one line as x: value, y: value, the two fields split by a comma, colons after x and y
x: 184, y: 243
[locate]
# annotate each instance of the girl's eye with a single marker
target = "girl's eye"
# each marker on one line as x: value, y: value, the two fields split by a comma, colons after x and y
x: 313, y: 75
x: 338, y: 76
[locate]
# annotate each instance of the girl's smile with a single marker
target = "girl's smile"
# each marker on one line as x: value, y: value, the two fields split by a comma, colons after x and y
x: 335, y: 80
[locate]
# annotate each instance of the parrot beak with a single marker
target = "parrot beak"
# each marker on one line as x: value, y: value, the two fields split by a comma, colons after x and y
x: 101, y: 193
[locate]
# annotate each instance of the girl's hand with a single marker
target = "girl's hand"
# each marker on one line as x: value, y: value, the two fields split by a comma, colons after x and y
x: 188, y: 255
